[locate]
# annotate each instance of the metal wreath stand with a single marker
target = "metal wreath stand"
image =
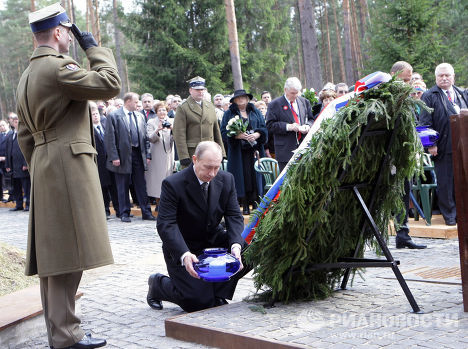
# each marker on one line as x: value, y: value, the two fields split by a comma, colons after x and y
x: 368, y: 221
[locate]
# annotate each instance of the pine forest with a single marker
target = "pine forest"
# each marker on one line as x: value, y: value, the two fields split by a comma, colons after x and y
x: 160, y: 44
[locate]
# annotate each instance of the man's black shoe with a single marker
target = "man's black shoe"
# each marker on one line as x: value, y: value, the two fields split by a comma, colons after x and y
x: 451, y: 222
x: 410, y: 244
x: 26, y: 208
x: 88, y: 343
x: 153, y: 302
x: 125, y: 219
x: 149, y: 218
x: 16, y: 209
x: 220, y: 301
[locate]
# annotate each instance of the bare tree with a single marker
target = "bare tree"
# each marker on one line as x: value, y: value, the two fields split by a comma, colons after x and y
x: 365, y: 17
x: 347, y: 39
x: 97, y: 23
x: 356, y: 43
x: 329, y: 55
x: 33, y: 8
x: 71, y: 11
x: 233, y: 44
x: 118, y: 56
x: 338, y: 43
x: 313, y: 69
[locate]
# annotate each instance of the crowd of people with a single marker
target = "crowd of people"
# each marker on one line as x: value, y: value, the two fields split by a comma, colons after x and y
x: 164, y: 133
x: 139, y: 143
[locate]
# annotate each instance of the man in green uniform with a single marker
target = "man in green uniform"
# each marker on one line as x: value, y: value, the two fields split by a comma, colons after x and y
x: 67, y: 222
x: 195, y: 121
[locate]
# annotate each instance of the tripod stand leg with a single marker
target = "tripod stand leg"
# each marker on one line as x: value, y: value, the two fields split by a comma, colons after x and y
x: 406, y: 290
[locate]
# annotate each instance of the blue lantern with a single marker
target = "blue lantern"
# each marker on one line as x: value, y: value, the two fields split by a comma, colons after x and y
x: 216, y: 265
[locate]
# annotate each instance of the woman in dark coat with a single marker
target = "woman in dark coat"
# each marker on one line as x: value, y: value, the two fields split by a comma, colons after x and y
x: 241, y: 156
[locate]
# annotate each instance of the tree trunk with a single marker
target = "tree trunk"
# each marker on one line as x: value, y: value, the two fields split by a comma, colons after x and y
x: 323, y: 51
x: 365, y: 13
x: 300, y: 58
x: 233, y: 44
x: 338, y: 43
x: 33, y: 8
x: 312, y: 65
x: 365, y: 20
x: 327, y: 28
x: 118, y: 56
x: 97, y: 24
x: 71, y: 11
x: 91, y: 16
x: 356, y: 42
x: 347, y: 39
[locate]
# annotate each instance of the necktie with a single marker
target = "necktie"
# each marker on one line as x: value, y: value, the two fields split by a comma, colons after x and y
x: 133, y: 129
x: 204, y: 187
x: 448, y: 96
x: 100, y: 132
x: 296, y: 119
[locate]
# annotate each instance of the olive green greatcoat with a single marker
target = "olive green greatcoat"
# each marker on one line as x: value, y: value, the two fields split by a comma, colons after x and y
x: 67, y: 222
x: 194, y: 124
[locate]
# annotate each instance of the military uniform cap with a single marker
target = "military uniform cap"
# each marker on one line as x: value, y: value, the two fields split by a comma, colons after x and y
x: 48, y: 17
x: 197, y: 83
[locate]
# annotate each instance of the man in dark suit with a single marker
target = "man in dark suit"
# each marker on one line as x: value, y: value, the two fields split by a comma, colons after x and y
x: 147, y: 101
x: 446, y: 99
x: 17, y: 166
x: 3, y: 138
x: 288, y: 120
x: 108, y: 187
x: 128, y: 155
x: 192, y: 204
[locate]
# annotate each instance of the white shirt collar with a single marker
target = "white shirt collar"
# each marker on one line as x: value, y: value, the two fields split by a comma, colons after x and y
x: 200, y: 181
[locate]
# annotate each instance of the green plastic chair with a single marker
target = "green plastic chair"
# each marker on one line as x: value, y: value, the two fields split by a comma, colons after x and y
x: 424, y: 192
x: 268, y: 167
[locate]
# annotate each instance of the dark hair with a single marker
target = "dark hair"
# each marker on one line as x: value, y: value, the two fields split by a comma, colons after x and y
x: 265, y: 92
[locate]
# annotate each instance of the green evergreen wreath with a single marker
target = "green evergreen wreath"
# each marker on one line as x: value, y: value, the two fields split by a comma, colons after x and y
x: 310, y: 196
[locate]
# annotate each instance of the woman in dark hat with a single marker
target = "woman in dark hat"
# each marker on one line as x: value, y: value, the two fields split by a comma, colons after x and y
x: 241, y: 148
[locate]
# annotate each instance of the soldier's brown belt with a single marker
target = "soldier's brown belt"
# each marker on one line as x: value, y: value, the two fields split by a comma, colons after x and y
x: 45, y: 136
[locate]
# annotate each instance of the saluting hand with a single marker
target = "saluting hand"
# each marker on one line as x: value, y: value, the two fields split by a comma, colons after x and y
x: 85, y: 39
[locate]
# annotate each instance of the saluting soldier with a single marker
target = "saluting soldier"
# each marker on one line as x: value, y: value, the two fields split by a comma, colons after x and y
x: 195, y: 121
x: 67, y: 223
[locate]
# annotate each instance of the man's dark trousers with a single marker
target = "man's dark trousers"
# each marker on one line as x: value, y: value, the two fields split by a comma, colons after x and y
x: 21, y: 186
x: 138, y: 179
x: 445, y: 186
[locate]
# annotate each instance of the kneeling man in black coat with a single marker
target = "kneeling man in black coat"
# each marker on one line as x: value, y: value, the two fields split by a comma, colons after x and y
x: 192, y: 204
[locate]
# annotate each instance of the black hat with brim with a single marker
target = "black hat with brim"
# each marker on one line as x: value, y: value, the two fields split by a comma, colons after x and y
x: 239, y: 93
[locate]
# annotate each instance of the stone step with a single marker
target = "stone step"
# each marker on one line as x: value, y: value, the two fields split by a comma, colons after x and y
x: 20, y: 317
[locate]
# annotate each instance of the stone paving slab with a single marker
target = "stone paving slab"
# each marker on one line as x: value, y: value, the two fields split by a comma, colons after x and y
x: 371, y: 313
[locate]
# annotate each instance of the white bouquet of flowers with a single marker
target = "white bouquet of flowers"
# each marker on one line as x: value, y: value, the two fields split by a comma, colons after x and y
x: 236, y: 126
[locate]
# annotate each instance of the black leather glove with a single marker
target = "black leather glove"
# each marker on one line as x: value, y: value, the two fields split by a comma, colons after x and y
x: 85, y: 39
x: 185, y: 162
